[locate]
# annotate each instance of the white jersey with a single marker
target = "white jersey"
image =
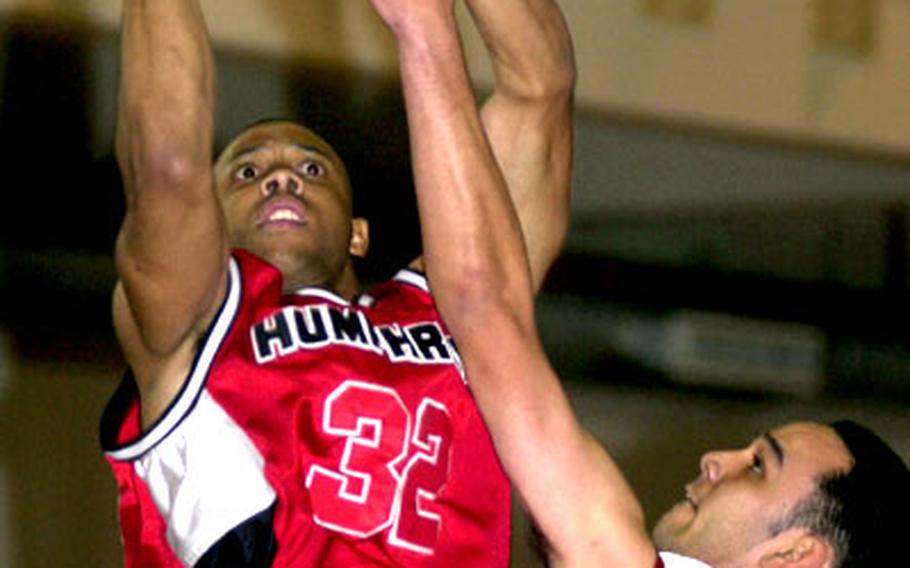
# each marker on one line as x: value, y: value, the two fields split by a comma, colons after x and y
x: 672, y: 560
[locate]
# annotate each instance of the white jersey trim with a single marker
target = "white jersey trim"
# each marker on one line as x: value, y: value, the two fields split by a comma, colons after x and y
x: 413, y: 278
x: 405, y: 276
x: 673, y: 560
x: 205, y: 478
x: 186, y: 399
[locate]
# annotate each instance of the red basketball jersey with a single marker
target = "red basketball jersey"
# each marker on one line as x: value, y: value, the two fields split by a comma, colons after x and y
x: 312, y: 432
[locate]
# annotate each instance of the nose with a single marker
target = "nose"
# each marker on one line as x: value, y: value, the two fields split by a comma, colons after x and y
x: 717, y: 465
x: 712, y: 466
x: 281, y: 179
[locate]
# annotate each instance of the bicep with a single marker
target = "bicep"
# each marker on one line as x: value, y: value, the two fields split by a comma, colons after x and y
x: 171, y: 257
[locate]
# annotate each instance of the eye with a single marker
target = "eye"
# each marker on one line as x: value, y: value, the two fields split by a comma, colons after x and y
x: 758, y: 464
x: 246, y: 172
x: 312, y: 168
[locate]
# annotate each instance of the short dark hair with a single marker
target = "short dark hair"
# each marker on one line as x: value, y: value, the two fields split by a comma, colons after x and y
x: 861, y: 512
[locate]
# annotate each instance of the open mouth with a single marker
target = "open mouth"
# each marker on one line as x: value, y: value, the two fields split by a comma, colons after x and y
x: 282, y: 212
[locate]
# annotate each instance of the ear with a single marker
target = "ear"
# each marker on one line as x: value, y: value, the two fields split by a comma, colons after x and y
x: 807, y: 551
x: 360, y: 237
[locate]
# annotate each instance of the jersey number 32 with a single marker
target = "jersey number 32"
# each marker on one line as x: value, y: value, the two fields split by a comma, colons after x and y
x: 391, y: 469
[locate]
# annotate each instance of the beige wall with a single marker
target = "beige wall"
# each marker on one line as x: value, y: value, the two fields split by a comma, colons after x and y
x: 753, y: 65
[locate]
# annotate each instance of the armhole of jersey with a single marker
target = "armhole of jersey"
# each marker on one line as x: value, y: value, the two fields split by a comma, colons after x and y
x: 192, y: 387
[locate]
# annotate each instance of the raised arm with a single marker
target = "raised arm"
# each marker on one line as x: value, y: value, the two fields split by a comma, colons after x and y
x: 528, y: 116
x: 171, y: 251
x: 476, y: 262
x: 527, y: 119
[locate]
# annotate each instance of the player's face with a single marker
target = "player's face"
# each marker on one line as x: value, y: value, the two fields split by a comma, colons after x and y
x: 726, y: 517
x: 286, y: 197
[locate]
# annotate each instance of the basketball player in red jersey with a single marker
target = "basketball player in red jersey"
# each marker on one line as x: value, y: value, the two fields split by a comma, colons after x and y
x: 269, y: 418
x: 804, y: 495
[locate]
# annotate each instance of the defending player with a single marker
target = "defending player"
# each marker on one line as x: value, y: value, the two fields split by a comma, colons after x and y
x: 268, y: 419
x: 803, y: 495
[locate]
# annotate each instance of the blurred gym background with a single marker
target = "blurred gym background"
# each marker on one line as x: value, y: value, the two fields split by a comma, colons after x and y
x: 738, y: 257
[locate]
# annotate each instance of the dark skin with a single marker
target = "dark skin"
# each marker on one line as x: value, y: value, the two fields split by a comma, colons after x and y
x: 284, y: 195
x: 287, y: 198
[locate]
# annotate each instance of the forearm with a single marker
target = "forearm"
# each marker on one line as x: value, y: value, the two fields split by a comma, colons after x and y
x: 167, y: 91
x: 528, y: 116
x: 566, y: 480
x: 462, y: 199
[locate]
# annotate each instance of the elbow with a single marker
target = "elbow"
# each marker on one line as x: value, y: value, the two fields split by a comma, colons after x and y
x: 561, y: 69
x: 552, y: 73
x: 160, y: 144
x: 552, y: 84
x: 153, y: 161
x: 168, y: 170
x: 561, y: 77
x: 479, y: 295
x: 466, y: 290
